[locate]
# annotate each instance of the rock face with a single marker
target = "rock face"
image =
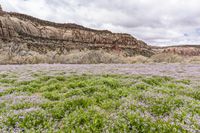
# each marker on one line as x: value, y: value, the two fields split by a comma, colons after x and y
x: 184, y: 50
x: 29, y: 33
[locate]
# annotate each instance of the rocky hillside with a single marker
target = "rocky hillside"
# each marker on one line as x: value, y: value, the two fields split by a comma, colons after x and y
x: 25, y: 39
x: 184, y: 50
x: 21, y: 34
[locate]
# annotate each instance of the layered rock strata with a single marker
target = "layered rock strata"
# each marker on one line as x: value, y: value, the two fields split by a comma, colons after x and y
x: 31, y: 34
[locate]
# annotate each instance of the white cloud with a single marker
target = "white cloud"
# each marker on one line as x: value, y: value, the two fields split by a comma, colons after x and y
x: 157, y: 22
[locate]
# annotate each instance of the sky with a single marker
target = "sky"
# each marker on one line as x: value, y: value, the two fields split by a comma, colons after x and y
x: 157, y: 22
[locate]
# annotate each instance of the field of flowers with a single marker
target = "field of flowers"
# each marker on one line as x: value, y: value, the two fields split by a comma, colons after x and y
x: 98, y: 103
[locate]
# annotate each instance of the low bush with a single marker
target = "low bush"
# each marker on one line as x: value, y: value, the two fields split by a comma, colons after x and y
x: 93, y: 57
x: 167, y: 58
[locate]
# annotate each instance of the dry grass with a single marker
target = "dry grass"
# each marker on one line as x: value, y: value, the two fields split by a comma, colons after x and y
x: 89, y: 57
x: 174, y: 58
x: 195, y: 59
x: 92, y: 57
x: 166, y: 58
x: 74, y: 57
x: 136, y: 59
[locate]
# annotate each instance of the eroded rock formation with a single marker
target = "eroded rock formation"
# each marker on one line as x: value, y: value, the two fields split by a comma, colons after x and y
x: 29, y: 33
x: 183, y: 50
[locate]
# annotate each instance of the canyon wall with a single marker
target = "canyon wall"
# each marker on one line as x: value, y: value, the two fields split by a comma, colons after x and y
x: 183, y: 50
x: 27, y: 33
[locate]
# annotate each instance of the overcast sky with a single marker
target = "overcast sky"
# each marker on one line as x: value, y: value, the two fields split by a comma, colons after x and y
x: 157, y: 22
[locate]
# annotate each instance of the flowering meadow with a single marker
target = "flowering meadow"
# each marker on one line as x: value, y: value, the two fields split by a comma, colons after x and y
x: 98, y: 103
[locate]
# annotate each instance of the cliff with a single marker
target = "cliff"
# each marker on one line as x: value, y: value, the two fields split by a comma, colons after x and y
x: 183, y: 50
x: 31, y: 34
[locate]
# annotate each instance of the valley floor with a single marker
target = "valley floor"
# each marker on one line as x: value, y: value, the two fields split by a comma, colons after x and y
x: 100, y: 98
x: 191, y: 71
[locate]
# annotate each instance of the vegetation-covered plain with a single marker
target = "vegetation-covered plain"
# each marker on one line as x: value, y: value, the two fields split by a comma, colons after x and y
x: 99, y: 103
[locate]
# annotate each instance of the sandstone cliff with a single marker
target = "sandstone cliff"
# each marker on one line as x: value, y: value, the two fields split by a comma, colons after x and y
x: 25, y: 39
x: 31, y: 34
x: 183, y: 50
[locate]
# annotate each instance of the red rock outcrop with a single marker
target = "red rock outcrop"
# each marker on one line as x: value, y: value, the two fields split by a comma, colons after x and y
x: 42, y: 36
x: 183, y: 50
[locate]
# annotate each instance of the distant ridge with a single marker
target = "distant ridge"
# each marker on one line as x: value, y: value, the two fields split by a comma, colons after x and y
x: 23, y: 36
x: 42, y: 36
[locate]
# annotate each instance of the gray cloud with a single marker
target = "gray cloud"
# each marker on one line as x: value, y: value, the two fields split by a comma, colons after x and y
x: 158, y: 22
